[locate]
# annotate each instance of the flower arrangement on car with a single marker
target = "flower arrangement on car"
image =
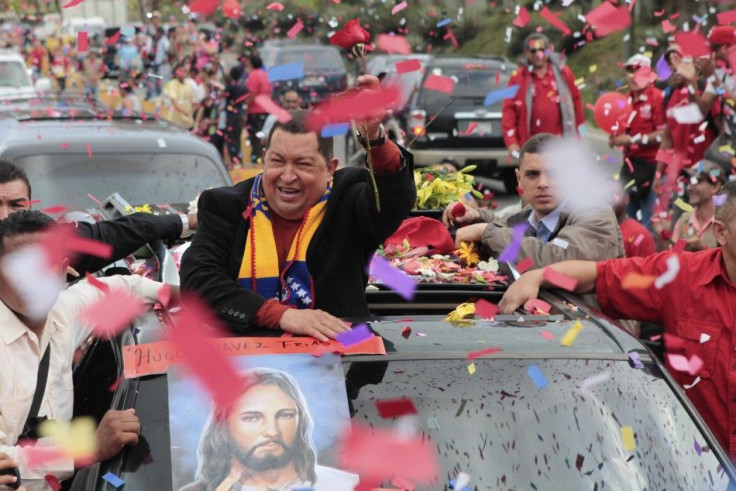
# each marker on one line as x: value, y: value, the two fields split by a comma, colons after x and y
x: 463, y: 266
x: 437, y: 188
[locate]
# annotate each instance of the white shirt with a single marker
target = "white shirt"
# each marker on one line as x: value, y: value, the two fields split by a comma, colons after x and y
x: 20, y: 357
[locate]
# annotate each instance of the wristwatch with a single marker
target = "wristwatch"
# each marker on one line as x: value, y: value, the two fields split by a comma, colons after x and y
x: 185, y: 232
x: 373, y: 143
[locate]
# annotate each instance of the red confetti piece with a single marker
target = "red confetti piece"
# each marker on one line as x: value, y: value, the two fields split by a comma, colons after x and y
x: 537, y: 306
x: 402, y: 483
x: 355, y: 105
x: 37, y: 456
x: 552, y: 19
x: 679, y: 246
x: 522, y: 19
x: 524, y: 265
x: 29, y: 203
x: 458, y: 210
x: 113, y: 313
x: 408, y: 66
x: 73, y: 3
x: 399, y: 7
x: 477, y: 354
x: 393, y: 44
x: 94, y: 281
x: 204, y: 7
x: 89, y: 150
x: 406, y: 332
x: 393, y: 408
x: 90, y: 247
x: 271, y: 107
x: 560, y: 280
x: 82, y: 41
x: 376, y: 454
x: 295, y: 29
x: 485, y: 309
x: 726, y: 17
x: 667, y: 26
x: 692, y: 44
x: 54, y: 210
x: 115, y: 384
x: 215, y: 371
x: 607, y: 19
x: 53, y: 482
x: 673, y: 342
x: 112, y: 40
x: 547, y: 335
x: 439, y: 83
x: 275, y: 6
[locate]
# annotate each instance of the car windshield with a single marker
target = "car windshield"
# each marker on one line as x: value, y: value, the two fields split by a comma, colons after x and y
x: 313, y: 60
x: 471, y: 82
x: 140, y: 178
x: 499, y: 428
x: 13, y: 74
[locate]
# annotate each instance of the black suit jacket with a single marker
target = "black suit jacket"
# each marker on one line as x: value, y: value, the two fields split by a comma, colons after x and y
x: 337, y: 256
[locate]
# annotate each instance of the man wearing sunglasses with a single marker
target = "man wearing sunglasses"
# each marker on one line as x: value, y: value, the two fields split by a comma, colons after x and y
x: 547, y: 100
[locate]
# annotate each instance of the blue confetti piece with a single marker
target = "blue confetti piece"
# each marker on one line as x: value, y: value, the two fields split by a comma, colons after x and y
x: 287, y: 71
x: 337, y: 129
x: 444, y: 22
x: 497, y: 96
x: 127, y: 31
x: 113, y: 479
x: 583, y: 130
x: 537, y: 377
x: 452, y: 486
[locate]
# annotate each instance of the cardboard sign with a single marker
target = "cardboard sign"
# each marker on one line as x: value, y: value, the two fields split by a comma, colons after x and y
x: 150, y: 358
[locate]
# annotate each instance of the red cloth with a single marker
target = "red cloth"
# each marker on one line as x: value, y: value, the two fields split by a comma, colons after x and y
x: 631, y: 230
x: 683, y: 134
x: 37, y: 57
x: 701, y: 300
x: 423, y: 231
x: 386, y: 158
x: 514, y: 116
x: 257, y: 84
x: 546, y: 113
x: 649, y: 108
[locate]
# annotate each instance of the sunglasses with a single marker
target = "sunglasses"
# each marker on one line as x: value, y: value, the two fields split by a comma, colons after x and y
x: 534, y: 51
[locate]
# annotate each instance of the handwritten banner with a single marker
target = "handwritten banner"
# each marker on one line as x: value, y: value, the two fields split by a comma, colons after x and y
x: 150, y: 358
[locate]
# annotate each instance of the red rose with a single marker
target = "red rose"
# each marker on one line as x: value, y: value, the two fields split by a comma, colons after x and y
x: 428, y: 176
x: 458, y: 210
x: 350, y: 35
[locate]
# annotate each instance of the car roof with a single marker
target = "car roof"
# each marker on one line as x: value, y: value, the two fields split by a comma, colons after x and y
x: 292, y: 46
x: 493, y: 62
x: 115, y: 135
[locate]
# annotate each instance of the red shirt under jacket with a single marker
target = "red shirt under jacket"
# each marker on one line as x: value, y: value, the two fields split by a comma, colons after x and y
x: 700, y: 300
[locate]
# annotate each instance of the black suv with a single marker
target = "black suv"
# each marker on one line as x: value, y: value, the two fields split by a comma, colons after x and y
x: 466, y: 129
x: 324, y: 69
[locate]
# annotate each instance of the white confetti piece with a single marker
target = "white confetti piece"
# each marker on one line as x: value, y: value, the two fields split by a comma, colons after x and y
x: 560, y: 242
x: 673, y: 267
x: 596, y: 379
x: 704, y: 337
x: 161, y: 143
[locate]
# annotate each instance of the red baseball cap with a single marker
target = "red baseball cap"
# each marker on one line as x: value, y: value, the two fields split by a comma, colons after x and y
x: 720, y: 35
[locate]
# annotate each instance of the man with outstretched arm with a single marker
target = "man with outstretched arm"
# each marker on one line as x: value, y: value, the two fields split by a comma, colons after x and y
x: 693, y: 295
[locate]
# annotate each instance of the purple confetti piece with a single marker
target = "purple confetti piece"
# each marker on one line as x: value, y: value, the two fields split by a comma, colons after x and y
x: 719, y: 199
x: 698, y: 448
x: 356, y: 335
x: 398, y: 281
x: 663, y: 69
x: 636, y: 359
x: 337, y: 129
x: 512, y: 250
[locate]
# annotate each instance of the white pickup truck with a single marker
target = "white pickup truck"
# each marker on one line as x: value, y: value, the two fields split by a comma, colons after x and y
x: 15, y: 81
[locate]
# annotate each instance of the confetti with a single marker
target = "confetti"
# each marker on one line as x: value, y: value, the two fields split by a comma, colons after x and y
x: 594, y: 380
x: 537, y: 307
x: 406, y: 332
x: 376, y: 454
x: 607, y: 19
x: 687, y: 114
x: 444, y: 22
x: 112, y: 40
x: 295, y: 29
x: 571, y: 334
x: 552, y: 19
x: 265, y: 101
x: 522, y: 19
x: 537, y: 377
x: 75, y: 439
x: 54, y: 210
x: 393, y: 408
x: 73, y: 3
x: 82, y: 41
x: 511, y: 251
x: 356, y: 105
x: 663, y: 69
x: 627, y: 437
x: 276, y: 6
x: 399, y: 7
x: 393, y: 278
x: 682, y: 364
x: 54, y: 483
x: 485, y: 309
x: 287, y: 71
x: 439, y: 83
x: 635, y: 360
x: 161, y: 143
x: 408, y: 66
x: 89, y: 150
x: 684, y: 206
x: 704, y: 338
x: 471, y: 368
x: 496, y: 96
x: 461, y: 481
x: 393, y: 44
x: 546, y: 334
x: 330, y: 130
x: 633, y: 281
x: 114, y: 480
x: 204, y: 7
x: 478, y: 354
x: 692, y: 44
x: 524, y: 265
x: 402, y: 483
x: 35, y: 202
x: 726, y: 17
x: 719, y: 199
x: 673, y: 267
x: 356, y: 335
x: 667, y: 27
x: 560, y: 242
x: 112, y: 313
x: 698, y: 448
x: 559, y: 280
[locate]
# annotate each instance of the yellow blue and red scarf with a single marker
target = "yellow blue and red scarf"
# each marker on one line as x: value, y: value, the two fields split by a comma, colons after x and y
x: 259, y: 270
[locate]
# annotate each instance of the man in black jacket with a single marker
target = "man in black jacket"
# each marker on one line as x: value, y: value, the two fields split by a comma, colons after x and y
x: 288, y: 249
x: 125, y: 234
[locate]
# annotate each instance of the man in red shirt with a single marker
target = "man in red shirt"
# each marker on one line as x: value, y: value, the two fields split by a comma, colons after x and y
x: 547, y: 101
x: 693, y: 296
x: 257, y: 84
x: 640, y: 140
x: 638, y: 241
